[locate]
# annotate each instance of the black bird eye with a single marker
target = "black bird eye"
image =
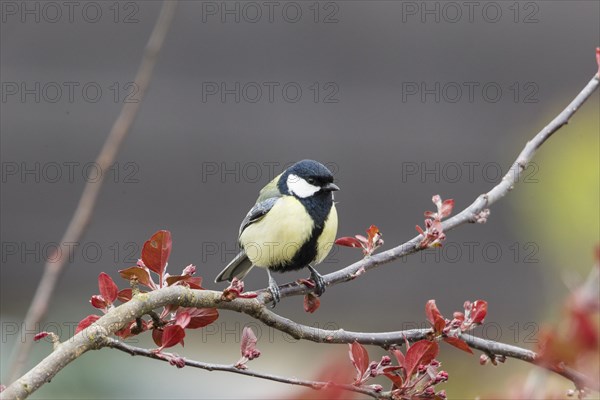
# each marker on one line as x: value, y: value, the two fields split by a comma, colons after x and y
x: 311, y: 180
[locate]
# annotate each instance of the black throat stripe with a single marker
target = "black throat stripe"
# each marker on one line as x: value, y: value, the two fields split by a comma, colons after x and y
x: 318, y: 207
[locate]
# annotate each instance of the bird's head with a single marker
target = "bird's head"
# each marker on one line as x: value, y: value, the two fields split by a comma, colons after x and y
x: 305, y: 179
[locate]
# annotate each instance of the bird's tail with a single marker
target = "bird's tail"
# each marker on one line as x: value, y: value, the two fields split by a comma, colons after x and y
x: 237, y: 268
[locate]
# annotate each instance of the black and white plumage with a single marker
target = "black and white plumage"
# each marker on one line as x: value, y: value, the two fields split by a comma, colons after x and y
x: 292, y: 225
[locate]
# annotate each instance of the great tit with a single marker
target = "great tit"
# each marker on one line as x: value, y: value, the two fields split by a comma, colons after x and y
x: 292, y: 225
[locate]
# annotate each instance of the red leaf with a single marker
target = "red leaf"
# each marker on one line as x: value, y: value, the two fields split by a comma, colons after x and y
x: 183, y: 319
x: 175, y: 278
x: 348, y: 242
x: 479, y: 311
x: 87, y: 321
x: 172, y: 335
x: 125, y: 332
x: 248, y: 344
x: 389, y: 373
x: 157, y: 336
x: 142, y: 275
x: 360, y: 359
x: 434, y: 316
x: 156, y: 251
x: 40, y: 336
x: 125, y: 295
x: 399, y: 357
x: 194, y: 282
x: 372, y: 232
x: 420, y: 230
x: 201, y: 317
x: 458, y: 343
x: 108, y: 288
x: 419, y: 353
x: 98, y: 302
x: 446, y: 208
x: 311, y: 303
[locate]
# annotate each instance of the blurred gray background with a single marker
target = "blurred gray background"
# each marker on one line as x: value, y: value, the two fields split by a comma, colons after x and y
x: 403, y: 100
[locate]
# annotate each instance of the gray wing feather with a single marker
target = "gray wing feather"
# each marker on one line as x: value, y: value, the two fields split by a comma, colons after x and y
x: 257, y: 212
x: 237, y: 268
x: 241, y: 265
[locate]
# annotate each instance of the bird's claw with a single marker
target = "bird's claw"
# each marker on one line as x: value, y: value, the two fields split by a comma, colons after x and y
x: 318, y: 280
x: 274, y: 289
x: 276, y: 294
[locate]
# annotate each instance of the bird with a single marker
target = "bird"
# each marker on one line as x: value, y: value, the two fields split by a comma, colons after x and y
x: 292, y: 226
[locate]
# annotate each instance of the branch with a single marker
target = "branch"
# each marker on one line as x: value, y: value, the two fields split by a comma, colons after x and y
x: 470, y: 214
x: 85, y: 208
x: 96, y: 336
x: 136, y: 351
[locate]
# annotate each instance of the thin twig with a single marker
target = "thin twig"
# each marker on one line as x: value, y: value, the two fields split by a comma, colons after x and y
x: 83, y: 213
x: 491, y: 347
x: 137, y: 351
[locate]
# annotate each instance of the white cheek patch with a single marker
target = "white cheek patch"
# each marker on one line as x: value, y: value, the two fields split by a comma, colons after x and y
x: 300, y: 187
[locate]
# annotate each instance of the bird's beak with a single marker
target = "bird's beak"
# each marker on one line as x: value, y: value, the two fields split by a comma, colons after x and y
x: 330, y: 187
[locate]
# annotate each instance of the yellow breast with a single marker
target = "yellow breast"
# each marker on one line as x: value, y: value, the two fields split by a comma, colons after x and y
x: 327, y: 239
x: 279, y: 234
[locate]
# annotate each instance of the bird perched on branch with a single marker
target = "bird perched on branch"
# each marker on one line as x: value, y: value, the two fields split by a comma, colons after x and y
x: 292, y: 226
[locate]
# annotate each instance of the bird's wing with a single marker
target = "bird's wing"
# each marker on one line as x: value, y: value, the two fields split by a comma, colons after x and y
x: 258, y: 211
x: 270, y: 190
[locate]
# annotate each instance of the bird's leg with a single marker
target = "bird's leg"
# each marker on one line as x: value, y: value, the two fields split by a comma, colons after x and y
x: 274, y: 288
x: 318, y: 279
